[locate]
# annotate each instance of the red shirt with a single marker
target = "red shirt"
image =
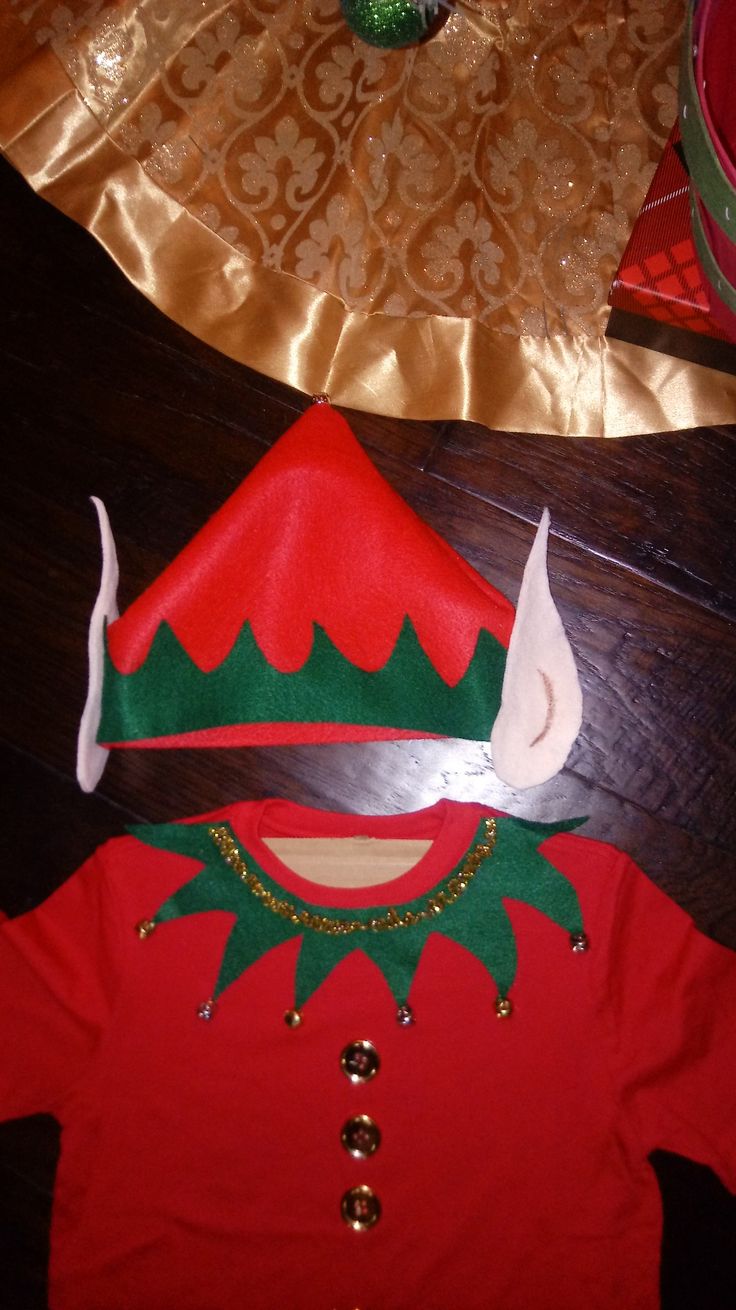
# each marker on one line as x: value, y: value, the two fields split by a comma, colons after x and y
x: 202, y: 1166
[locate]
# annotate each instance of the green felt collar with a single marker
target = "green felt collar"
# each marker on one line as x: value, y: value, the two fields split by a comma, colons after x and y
x: 467, y: 905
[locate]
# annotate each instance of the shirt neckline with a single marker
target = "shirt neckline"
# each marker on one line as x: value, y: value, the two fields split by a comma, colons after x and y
x: 450, y: 826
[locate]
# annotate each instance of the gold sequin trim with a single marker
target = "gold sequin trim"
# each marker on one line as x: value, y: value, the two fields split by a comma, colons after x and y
x: 435, y: 905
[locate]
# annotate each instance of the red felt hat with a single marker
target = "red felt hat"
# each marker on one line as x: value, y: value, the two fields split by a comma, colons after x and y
x: 316, y: 606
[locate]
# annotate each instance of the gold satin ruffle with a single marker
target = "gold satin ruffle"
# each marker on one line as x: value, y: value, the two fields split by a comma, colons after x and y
x: 427, y: 233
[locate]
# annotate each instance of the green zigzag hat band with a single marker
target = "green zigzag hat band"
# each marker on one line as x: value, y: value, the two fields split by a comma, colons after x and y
x: 406, y: 693
x: 315, y: 605
x: 473, y: 915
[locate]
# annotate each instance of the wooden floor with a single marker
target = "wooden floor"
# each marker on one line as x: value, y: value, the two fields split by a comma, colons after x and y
x: 101, y: 394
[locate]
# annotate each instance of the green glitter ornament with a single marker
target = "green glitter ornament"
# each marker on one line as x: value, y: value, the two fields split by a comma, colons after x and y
x: 390, y: 24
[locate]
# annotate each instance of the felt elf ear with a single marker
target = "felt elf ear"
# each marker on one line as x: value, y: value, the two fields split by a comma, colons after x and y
x: 541, y: 701
x: 92, y: 758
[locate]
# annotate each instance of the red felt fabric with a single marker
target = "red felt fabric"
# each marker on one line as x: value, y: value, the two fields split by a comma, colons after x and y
x: 281, y: 734
x: 202, y: 1167
x: 315, y: 535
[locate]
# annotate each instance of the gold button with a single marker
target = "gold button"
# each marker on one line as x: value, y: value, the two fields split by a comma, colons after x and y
x: 504, y: 1008
x: 360, y: 1136
x: 359, y: 1061
x: 360, y: 1208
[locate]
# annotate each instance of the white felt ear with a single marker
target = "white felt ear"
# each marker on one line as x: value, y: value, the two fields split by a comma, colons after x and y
x: 541, y: 702
x: 91, y: 758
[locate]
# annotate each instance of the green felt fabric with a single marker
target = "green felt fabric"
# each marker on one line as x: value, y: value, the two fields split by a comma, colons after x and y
x: 478, y: 920
x: 169, y: 695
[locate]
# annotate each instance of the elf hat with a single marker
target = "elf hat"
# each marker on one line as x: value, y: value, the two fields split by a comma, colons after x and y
x: 316, y: 606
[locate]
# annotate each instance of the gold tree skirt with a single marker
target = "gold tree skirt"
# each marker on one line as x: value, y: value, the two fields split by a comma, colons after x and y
x: 429, y: 232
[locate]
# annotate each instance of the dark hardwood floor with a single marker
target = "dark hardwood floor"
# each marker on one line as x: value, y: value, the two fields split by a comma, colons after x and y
x: 102, y: 394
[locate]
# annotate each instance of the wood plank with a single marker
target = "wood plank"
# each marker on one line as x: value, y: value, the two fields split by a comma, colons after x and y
x: 659, y: 798
x: 651, y: 732
x: 650, y: 740
x: 93, y: 318
x: 29, y: 1150
x: 49, y: 828
x: 102, y: 394
x: 661, y: 506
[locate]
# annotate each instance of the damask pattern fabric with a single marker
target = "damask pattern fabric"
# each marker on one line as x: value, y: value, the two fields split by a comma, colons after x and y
x: 395, y: 215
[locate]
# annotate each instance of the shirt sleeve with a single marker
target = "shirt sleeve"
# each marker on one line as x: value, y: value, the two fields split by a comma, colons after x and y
x: 57, y: 977
x: 672, y: 993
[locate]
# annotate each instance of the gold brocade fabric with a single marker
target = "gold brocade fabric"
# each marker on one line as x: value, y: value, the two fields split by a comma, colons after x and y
x: 428, y: 232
